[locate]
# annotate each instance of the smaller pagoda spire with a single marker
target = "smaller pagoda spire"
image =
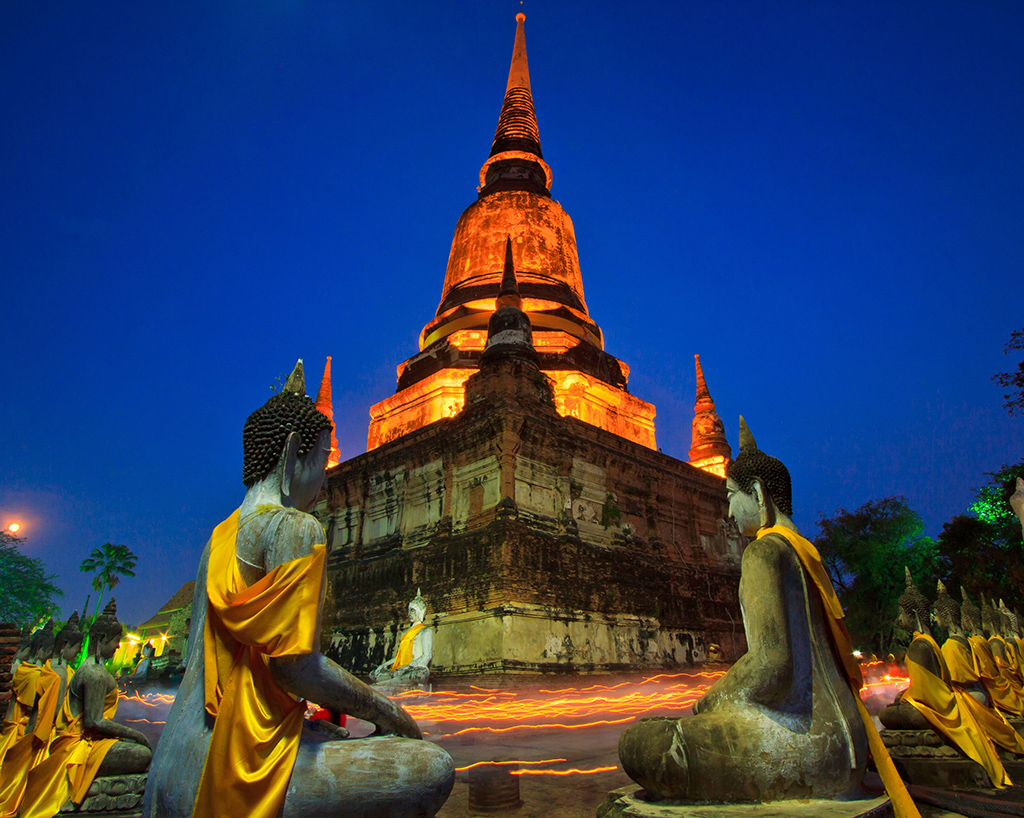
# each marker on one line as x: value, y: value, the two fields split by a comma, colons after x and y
x: 324, y: 405
x: 517, y: 125
x: 709, y: 448
x: 508, y: 294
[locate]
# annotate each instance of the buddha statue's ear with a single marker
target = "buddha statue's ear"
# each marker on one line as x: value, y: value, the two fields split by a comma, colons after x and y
x: 289, y: 460
x: 764, y: 502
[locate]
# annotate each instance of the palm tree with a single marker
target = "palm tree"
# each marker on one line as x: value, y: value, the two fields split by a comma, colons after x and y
x: 109, y: 563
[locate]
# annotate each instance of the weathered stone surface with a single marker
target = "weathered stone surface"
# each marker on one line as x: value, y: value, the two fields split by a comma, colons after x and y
x: 629, y: 802
x: 541, y: 544
x: 118, y: 796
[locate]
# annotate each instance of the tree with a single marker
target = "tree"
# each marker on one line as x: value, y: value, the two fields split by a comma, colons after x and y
x: 27, y: 593
x: 1014, y: 381
x: 983, y: 551
x: 109, y: 563
x: 864, y: 552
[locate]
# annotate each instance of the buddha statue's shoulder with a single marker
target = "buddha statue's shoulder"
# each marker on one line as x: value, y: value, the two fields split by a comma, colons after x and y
x: 280, y: 533
x: 770, y: 550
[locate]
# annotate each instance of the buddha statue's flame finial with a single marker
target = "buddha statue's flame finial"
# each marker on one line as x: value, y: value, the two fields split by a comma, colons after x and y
x: 297, y: 380
x: 909, y: 579
x: 940, y: 587
x: 747, y: 442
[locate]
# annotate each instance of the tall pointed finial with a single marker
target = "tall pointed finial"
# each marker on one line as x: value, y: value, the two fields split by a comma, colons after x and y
x: 508, y: 294
x: 747, y: 442
x: 325, y: 406
x: 702, y: 387
x: 517, y: 124
x: 297, y: 380
x: 908, y: 578
x: 709, y: 447
x: 940, y: 588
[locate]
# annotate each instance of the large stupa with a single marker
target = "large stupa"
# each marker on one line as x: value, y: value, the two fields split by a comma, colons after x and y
x: 513, y: 478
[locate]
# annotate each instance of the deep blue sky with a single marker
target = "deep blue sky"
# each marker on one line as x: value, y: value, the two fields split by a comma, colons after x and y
x: 822, y: 199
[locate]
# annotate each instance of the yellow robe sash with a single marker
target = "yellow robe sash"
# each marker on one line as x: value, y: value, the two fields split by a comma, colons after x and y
x: 935, y: 699
x: 959, y: 659
x: 997, y: 687
x: 258, y: 723
x: 69, y: 770
x: 404, y: 655
x: 23, y: 686
x: 32, y: 748
x: 903, y: 805
x: 1008, y: 666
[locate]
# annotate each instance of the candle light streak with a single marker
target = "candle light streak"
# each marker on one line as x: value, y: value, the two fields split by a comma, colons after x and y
x: 147, y: 721
x: 572, y: 771
x: 504, y: 763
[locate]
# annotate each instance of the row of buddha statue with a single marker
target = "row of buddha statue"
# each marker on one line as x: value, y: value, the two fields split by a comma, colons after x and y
x: 785, y: 722
x: 59, y: 732
x: 970, y: 689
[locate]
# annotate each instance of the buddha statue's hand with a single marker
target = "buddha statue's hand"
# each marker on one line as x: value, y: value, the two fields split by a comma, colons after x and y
x: 139, y: 738
x: 397, y: 723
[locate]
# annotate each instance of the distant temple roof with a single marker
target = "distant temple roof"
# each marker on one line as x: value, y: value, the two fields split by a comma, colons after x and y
x: 161, y: 619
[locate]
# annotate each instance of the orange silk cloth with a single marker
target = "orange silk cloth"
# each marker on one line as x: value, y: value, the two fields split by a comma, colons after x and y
x: 943, y: 706
x: 404, y: 655
x: 23, y: 685
x: 32, y: 748
x: 995, y: 684
x: 1008, y: 666
x: 903, y: 805
x: 68, y: 771
x: 256, y: 733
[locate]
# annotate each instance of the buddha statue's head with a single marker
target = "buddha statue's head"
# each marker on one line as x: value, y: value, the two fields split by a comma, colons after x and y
x: 24, y: 645
x: 42, y: 643
x: 287, y: 441
x: 68, y: 641
x: 1008, y: 619
x: 913, y: 605
x: 946, y: 610
x: 758, y: 487
x: 105, y: 633
x: 990, y: 624
x: 417, y: 608
x: 970, y: 614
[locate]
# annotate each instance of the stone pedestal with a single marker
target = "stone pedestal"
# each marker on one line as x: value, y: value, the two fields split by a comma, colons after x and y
x: 925, y: 758
x: 10, y: 635
x: 628, y: 802
x: 112, y: 796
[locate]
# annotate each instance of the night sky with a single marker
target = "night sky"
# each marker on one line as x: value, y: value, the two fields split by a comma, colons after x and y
x: 825, y: 200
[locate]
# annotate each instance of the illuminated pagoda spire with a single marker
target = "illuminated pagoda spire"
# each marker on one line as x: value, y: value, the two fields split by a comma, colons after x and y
x: 508, y: 294
x: 517, y: 125
x: 709, y: 449
x: 513, y: 212
x: 324, y: 405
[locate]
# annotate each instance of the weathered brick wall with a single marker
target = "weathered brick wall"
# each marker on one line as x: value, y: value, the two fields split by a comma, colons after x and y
x: 509, y: 503
x: 10, y: 635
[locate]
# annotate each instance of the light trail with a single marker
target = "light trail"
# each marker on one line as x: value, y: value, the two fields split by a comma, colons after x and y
x: 466, y: 730
x: 147, y: 721
x: 564, y: 772
x: 504, y: 763
x: 150, y: 699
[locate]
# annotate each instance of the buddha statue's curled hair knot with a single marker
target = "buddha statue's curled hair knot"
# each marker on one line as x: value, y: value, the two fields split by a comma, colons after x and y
x: 106, y: 625
x: 912, y: 601
x: 970, y: 614
x: 267, y: 429
x: 946, y: 607
x: 42, y: 639
x: 70, y: 634
x: 752, y: 462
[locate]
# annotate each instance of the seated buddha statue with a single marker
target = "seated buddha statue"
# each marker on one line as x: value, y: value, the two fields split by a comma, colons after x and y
x: 234, y: 742
x: 785, y: 721
x: 21, y: 710
x: 24, y: 649
x: 956, y: 650
x: 410, y: 666
x: 949, y: 711
x: 93, y: 744
x: 1000, y: 693
x: 48, y: 719
x: 1016, y: 501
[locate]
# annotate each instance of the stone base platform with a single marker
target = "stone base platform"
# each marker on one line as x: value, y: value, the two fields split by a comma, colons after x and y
x: 627, y: 802
x: 112, y: 796
x: 925, y: 758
